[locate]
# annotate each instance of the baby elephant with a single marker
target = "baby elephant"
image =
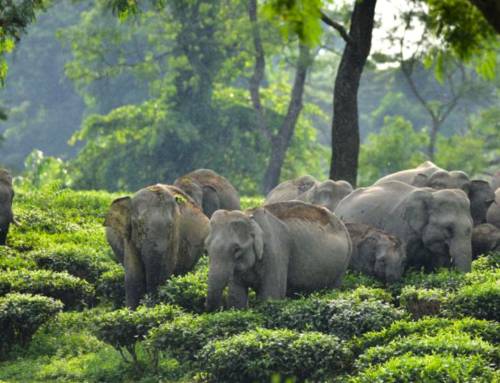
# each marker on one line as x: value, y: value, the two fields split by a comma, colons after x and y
x: 278, y: 250
x: 485, y: 238
x: 6, y: 197
x: 376, y: 253
x: 209, y: 190
x: 157, y: 232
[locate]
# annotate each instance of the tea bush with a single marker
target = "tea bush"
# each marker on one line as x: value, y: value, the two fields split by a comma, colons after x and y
x: 422, y: 302
x: 479, y: 300
x: 259, y: 354
x: 21, y: 315
x: 111, y: 286
x: 187, y: 334
x: 11, y: 259
x: 74, y: 292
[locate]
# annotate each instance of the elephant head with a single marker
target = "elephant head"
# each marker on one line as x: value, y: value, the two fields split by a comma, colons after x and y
x: 481, y: 196
x: 148, y: 225
x: 234, y: 244
x: 191, y: 188
x: 441, y: 220
x: 327, y: 194
x: 389, y: 257
x: 443, y: 179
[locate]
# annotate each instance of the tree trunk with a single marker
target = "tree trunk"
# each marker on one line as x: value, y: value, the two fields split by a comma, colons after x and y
x: 345, y: 127
x: 281, y: 141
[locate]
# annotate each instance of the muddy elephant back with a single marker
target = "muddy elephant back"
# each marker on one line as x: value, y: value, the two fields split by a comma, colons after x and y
x: 291, y: 189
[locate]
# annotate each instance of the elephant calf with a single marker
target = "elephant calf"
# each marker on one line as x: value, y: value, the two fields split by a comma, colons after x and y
x: 209, y: 190
x: 157, y: 232
x: 376, y: 253
x: 485, y: 238
x: 6, y: 197
x: 307, y: 189
x: 278, y: 249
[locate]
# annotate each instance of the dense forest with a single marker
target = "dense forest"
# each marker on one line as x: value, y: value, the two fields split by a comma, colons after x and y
x: 250, y: 191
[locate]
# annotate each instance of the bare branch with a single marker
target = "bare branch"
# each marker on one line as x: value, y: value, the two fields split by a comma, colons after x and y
x: 339, y: 27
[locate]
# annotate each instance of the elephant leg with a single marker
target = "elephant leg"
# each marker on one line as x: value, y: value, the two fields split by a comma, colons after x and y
x: 135, y: 281
x: 3, y: 236
x: 237, y: 295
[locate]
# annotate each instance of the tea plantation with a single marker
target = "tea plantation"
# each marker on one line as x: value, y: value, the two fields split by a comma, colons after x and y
x: 62, y: 317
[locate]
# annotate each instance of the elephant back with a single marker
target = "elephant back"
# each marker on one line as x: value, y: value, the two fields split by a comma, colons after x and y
x: 291, y: 189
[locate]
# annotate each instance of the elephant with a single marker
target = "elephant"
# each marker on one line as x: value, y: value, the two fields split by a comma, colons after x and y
x: 277, y: 250
x: 436, y: 225
x: 6, y: 197
x: 485, y: 238
x: 161, y: 232
x: 307, y: 189
x: 209, y: 190
x: 493, y: 214
x: 376, y: 253
x: 427, y: 174
x: 495, y: 181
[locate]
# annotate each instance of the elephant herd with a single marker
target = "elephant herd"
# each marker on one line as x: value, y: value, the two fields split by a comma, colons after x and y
x: 305, y: 235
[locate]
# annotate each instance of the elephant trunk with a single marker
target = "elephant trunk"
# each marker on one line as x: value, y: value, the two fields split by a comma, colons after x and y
x: 461, y: 254
x: 217, y: 281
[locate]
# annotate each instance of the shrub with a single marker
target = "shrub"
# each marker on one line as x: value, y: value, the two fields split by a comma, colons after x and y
x: 421, y: 302
x: 13, y: 260
x: 123, y: 328
x: 258, y: 354
x: 489, y: 262
x: 479, y: 300
x: 489, y: 331
x: 72, y: 291
x: 21, y: 315
x: 82, y: 263
x: 448, y: 280
x: 111, y: 286
x: 445, y: 342
x: 428, y: 369
x: 188, y: 291
x: 187, y: 334
x: 353, y: 280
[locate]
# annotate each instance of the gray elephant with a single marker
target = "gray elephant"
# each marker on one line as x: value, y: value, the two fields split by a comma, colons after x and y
x: 493, y: 214
x: 209, y: 190
x: 157, y: 232
x: 435, y: 224
x: 376, y: 253
x: 6, y: 197
x: 307, y: 189
x: 485, y: 238
x: 427, y: 174
x: 495, y: 181
x: 278, y: 250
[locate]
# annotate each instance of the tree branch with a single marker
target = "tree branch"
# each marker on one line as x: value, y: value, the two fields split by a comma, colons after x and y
x: 339, y: 27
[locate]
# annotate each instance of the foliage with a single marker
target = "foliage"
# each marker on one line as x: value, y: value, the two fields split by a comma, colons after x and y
x: 72, y: 291
x: 258, y: 354
x: 429, y: 368
x: 478, y: 300
x: 396, y: 147
x: 421, y: 302
x: 20, y: 317
x: 111, y: 286
x: 187, y: 334
x: 40, y: 170
x: 10, y: 259
x: 123, y: 328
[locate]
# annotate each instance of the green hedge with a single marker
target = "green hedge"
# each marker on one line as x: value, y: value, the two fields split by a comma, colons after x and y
x: 479, y: 300
x: 11, y: 259
x: 422, y: 302
x: 186, y: 335
x: 75, y: 293
x: 259, y: 354
x: 111, y: 286
x: 429, y: 369
x: 21, y: 315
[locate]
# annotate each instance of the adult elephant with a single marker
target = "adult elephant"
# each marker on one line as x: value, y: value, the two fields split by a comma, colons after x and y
x: 161, y: 232
x: 427, y: 174
x: 209, y: 190
x: 495, y: 181
x: 278, y: 250
x: 435, y: 224
x: 485, y: 238
x: 307, y: 189
x: 6, y: 197
x: 493, y: 214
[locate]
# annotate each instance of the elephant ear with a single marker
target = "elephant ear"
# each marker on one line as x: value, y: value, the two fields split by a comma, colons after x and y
x: 416, y: 211
x: 420, y: 180
x: 211, y: 201
x: 258, y: 239
x: 118, y: 217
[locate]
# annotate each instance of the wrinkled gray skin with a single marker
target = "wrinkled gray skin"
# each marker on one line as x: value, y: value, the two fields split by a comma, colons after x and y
x: 485, y: 238
x: 376, y: 253
x: 427, y: 174
x: 495, y: 181
x: 6, y: 197
x: 435, y: 224
x: 307, y: 189
x: 493, y: 214
x: 209, y: 190
x: 277, y: 250
x: 157, y: 232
